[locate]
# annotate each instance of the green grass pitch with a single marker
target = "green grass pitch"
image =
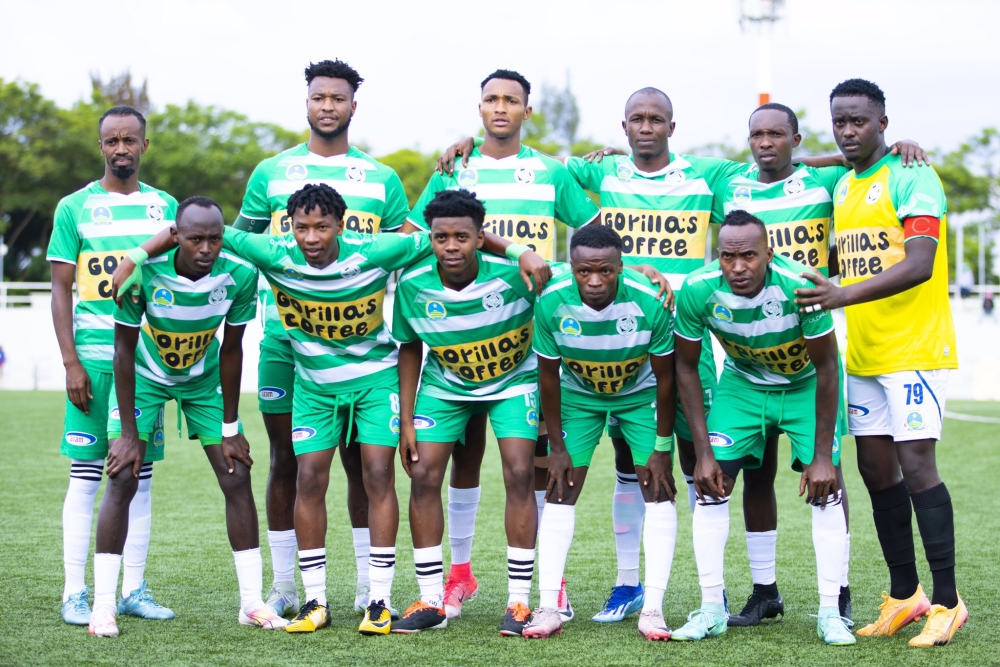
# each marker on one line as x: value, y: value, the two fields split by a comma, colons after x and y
x: 191, y: 569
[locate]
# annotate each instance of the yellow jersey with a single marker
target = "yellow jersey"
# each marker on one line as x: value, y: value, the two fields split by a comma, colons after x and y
x: 912, y: 330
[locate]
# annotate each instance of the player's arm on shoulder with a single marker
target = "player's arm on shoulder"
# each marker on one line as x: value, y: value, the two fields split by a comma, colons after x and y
x: 535, y: 271
x: 129, y: 270
x: 252, y: 225
x: 126, y: 452
x: 462, y: 147
x: 820, y: 477
x: 573, y: 205
x: 244, y: 308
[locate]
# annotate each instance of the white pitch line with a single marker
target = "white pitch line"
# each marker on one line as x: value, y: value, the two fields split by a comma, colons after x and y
x: 971, y: 418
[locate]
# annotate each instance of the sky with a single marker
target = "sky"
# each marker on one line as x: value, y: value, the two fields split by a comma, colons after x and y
x: 938, y: 63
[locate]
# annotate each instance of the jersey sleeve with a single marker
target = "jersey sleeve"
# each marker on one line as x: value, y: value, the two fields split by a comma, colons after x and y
x: 64, y: 245
x: 573, y: 205
x: 815, y: 325
x: 719, y: 195
x: 589, y: 175
x: 829, y: 177
x: 397, y: 207
x: 661, y: 341
x: 917, y: 191
x: 255, y: 205
x: 543, y: 342
x: 255, y: 248
x: 130, y: 314
x: 398, y: 251
x: 244, y: 306
x: 689, y: 323
x: 434, y: 186
x: 716, y: 171
x: 401, y: 329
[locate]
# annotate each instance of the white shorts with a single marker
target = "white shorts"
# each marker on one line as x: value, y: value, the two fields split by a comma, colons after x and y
x: 908, y: 405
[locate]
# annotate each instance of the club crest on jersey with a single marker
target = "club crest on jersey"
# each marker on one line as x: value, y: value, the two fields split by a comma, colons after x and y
x: 842, y: 195
x: 857, y: 410
x: 350, y: 271
x: 302, y: 433
x: 296, y: 172
x: 154, y: 212
x: 914, y: 421
x: 493, y: 301
x: 101, y: 215
x: 271, y: 393
x: 794, y: 186
x: 570, y: 326
x: 158, y: 439
x: 524, y: 176
x: 717, y: 439
x: 436, y: 310
x: 394, y: 424
x: 722, y: 313
x: 623, y: 171
x: 355, y: 173
x: 421, y: 421
x: 626, y: 325
x: 163, y: 298
x: 772, y: 309
x: 674, y: 176
x: 217, y: 296
x: 80, y: 439
x: 117, y: 415
x: 467, y: 178
x: 742, y: 194
x: 292, y: 272
x: 874, y: 192
x: 532, y: 417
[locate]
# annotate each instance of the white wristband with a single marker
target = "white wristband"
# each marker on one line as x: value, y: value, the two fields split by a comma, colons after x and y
x: 229, y: 430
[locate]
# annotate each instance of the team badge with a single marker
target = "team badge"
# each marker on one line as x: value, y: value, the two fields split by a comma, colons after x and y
x: 722, y: 313
x: 493, y: 301
x: 154, y: 212
x: 467, y: 178
x: 355, y: 173
x: 794, y: 186
x: 719, y: 439
x: 742, y: 194
x: 101, y: 215
x: 350, y: 271
x: 394, y: 424
x: 420, y: 421
x: 874, y: 192
x: 217, y: 296
x: 296, y: 172
x: 302, y: 433
x: 163, y: 297
x: 569, y: 326
x: 842, y: 195
x: 532, y: 417
x: 623, y: 171
x: 914, y: 421
x: 436, y: 310
x: 271, y: 393
x: 674, y: 176
x: 80, y: 439
x: 772, y: 309
x: 857, y: 410
x: 524, y: 176
x: 158, y: 439
x: 292, y: 272
x: 626, y: 325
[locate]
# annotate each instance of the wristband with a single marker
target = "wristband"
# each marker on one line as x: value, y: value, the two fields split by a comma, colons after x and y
x: 515, y: 250
x: 664, y: 443
x: 231, y: 429
x: 137, y: 255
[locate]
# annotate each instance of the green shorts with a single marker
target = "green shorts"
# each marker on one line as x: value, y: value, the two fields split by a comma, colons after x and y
x: 709, y: 382
x: 200, y: 401
x: 584, y: 418
x: 85, y: 436
x: 743, y: 416
x: 443, y: 420
x: 275, y: 376
x: 318, y: 420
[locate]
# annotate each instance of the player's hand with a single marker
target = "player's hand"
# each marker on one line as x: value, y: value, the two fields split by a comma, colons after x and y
x: 560, y: 475
x: 708, y: 478
x: 820, y: 479
x: 660, y: 280
x: 126, y: 276
x: 236, y: 448
x: 533, y: 267
x: 78, y: 387
x: 126, y: 452
x: 825, y: 296
x: 598, y: 155
x: 659, y: 475
x: 463, y: 147
x: 910, y: 153
x: 408, y: 447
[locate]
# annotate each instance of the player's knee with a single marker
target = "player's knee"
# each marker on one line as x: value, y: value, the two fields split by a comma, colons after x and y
x: 378, y: 477
x: 519, y: 475
x: 311, y: 481
x: 122, y: 487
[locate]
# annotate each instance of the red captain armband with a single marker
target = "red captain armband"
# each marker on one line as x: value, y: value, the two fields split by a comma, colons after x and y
x: 922, y: 225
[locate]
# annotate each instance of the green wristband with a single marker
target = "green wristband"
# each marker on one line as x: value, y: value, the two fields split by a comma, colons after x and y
x: 664, y: 443
x: 515, y: 250
x: 137, y: 255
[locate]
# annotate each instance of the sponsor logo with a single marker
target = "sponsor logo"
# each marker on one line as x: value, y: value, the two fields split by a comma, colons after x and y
x: 355, y: 173
x: 857, y: 410
x: 394, y: 424
x: 420, y: 421
x: 292, y: 272
x: 742, y: 194
x: 350, y: 271
x: 772, y: 309
x: 217, y: 296
x: 569, y: 326
x: 80, y: 439
x: 163, y: 297
x: 467, y: 178
x: 874, y: 192
x: 154, y: 212
x: 674, y: 176
x: 626, y: 325
x: 722, y: 313
x: 271, y: 393
x: 612, y: 420
x: 493, y: 301
x: 842, y: 195
x: 296, y: 172
x: 914, y: 421
x: 302, y: 433
x: 719, y: 439
x: 532, y: 417
x: 947, y: 350
x: 794, y: 186
x: 218, y: 390
x: 436, y: 310
x: 101, y: 215
x: 116, y: 415
x: 524, y: 176
x: 623, y: 171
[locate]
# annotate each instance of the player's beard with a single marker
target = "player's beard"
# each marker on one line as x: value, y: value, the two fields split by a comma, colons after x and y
x: 332, y: 134
x: 123, y: 172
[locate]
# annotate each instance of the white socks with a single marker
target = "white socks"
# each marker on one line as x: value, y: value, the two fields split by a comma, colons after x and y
x: 847, y: 561
x: 462, y: 506
x: 554, y: 541
x: 137, y: 543
x: 106, y: 569
x: 362, y: 550
x: 381, y: 570
x: 659, y: 538
x: 829, y: 532
x: 762, y: 549
x: 627, y: 509
x: 692, y: 492
x: 430, y: 574
x: 520, y: 566
x: 78, y: 517
x: 540, y: 502
x: 282, y: 544
x: 312, y: 567
x: 710, y: 530
x: 250, y: 575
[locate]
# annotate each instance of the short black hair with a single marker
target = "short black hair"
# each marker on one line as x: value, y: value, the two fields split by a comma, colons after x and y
x: 860, y: 88
x: 334, y: 69
x: 456, y: 204
x: 197, y: 200
x: 318, y: 195
x: 740, y: 218
x: 650, y: 90
x: 597, y: 237
x: 792, y: 118
x: 508, y: 75
x: 123, y: 110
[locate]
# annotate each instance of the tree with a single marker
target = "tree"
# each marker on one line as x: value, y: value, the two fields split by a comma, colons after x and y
x: 118, y: 90
x: 414, y: 169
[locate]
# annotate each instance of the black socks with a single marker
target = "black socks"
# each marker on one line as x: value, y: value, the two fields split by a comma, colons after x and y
x: 892, y: 513
x: 936, y: 521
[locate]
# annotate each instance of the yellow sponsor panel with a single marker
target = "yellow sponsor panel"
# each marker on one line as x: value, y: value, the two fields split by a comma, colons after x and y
x: 787, y: 359
x: 93, y: 273
x: 803, y: 241
x: 330, y: 320
x: 606, y: 377
x: 535, y: 231
x: 646, y: 233
x: 488, y: 359
x: 864, y: 252
x: 356, y: 221
x: 180, y: 350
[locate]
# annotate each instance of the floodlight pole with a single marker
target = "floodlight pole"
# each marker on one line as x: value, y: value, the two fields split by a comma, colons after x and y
x: 763, y: 14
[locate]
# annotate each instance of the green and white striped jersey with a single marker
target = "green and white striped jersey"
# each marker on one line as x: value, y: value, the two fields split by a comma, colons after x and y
x: 333, y: 315
x: 524, y: 195
x: 797, y: 211
x: 604, y: 352
x: 662, y: 216
x: 764, y: 337
x: 479, y: 337
x: 372, y: 191
x: 93, y: 229
x: 178, y: 342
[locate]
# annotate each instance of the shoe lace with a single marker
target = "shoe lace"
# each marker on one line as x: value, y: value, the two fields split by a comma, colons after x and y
x: 79, y: 603
x: 306, y: 609
x: 885, y: 601
x: 700, y: 616
x: 845, y: 621
x: 451, y: 585
x: 937, y: 620
x: 146, y: 597
x: 619, y: 595
x: 376, y: 608
x: 417, y: 606
x: 653, y: 615
x: 519, y: 611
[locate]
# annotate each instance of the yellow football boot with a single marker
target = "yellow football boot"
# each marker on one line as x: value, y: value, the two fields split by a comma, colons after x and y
x: 942, y: 624
x: 377, y: 620
x: 897, y: 614
x: 311, y: 617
